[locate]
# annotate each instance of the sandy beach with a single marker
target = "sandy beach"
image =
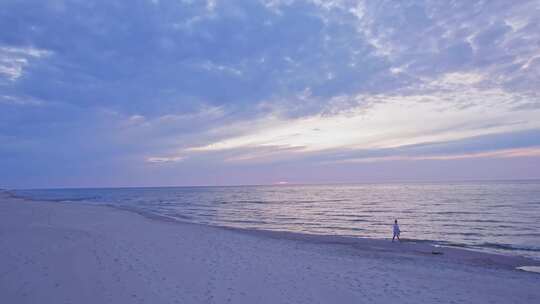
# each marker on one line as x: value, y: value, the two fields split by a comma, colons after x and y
x: 69, y: 253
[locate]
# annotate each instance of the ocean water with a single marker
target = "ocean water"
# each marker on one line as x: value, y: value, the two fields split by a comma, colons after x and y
x: 499, y: 217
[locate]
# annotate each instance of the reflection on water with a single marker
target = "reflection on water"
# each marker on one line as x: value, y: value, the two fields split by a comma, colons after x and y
x: 495, y: 216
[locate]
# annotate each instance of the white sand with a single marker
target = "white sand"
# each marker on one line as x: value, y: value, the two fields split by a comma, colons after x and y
x: 67, y: 253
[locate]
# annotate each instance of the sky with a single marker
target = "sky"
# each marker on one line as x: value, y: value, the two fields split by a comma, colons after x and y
x: 185, y: 92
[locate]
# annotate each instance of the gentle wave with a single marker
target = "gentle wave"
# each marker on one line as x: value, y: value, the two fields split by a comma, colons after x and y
x: 490, y: 216
x: 509, y: 247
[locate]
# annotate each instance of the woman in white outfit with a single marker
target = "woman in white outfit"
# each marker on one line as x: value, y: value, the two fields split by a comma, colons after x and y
x: 396, y: 231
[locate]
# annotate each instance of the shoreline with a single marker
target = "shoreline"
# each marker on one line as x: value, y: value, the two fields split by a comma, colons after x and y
x: 406, y: 247
x: 452, y: 252
x: 60, y: 252
x: 486, y: 236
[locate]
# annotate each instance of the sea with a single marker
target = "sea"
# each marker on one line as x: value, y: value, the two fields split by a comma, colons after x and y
x: 494, y: 216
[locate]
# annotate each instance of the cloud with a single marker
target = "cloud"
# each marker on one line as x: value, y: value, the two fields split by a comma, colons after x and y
x: 13, y: 60
x: 520, y: 152
x: 444, y: 109
x: 19, y: 101
x: 193, y: 84
x: 164, y: 159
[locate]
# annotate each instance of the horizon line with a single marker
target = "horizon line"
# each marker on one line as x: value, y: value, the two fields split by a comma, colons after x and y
x: 280, y: 184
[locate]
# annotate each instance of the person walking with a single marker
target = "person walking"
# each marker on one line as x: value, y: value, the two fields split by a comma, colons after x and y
x: 396, y: 231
